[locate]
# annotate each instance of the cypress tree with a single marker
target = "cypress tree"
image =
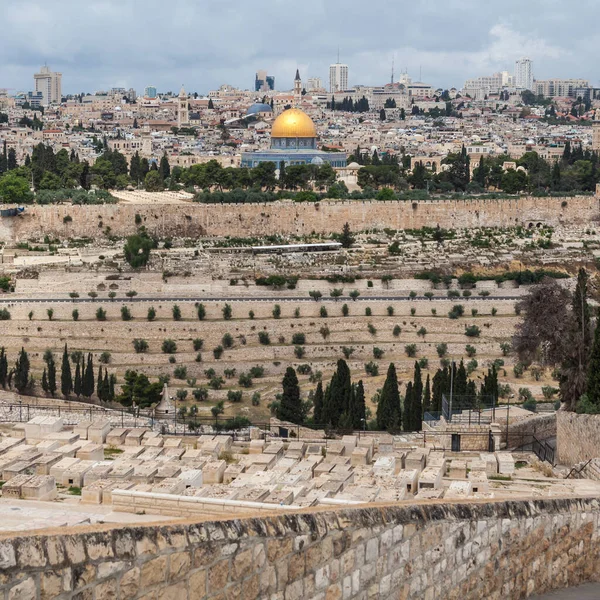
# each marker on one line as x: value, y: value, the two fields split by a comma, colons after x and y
x: 112, y: 380
x: 77, y: 384
x: 388, y: 408
x: 427, y: 396
x: 345, y: 386
x: 330, y: 412
x: 66, y: 381
x: 164, y: 169
x: 51, y: 374
x: 99, y: 383
x: 3, y: 368
x: 460, y: 382
x: 360, y: 410
x: 581, y: 310
x: 87, y: 379
x: 45, y: 382
x: 22, y: 371
x: 593, y: 374
x: 290, y: 408
x: 106, y: 387
x: 318, y: 404
x: 408, y: 407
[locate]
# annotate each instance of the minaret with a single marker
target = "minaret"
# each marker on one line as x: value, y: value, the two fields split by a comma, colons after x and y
x: 297, y: 84
x: 183, y: 109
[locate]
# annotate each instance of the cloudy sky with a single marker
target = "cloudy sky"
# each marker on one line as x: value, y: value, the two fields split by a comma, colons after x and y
x: 98, y: 44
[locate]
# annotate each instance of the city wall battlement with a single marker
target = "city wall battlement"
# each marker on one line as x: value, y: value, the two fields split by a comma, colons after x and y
x: 292, y: 218
x: 466, y: 551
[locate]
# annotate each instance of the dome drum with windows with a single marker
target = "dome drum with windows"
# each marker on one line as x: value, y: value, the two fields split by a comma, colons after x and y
x: 293, y: 142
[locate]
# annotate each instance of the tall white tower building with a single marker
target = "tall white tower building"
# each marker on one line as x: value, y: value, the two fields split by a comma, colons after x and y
x: 524, y: 74
x: 50, y: 84
x: 338, y: 77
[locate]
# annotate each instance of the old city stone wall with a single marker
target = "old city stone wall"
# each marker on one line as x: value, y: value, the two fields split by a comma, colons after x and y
x: 577, y: 438
x: 505, y: 550
x: 191, y: 220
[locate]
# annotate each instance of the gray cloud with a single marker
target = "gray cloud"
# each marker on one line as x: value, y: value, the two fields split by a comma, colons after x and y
x: 103, y: 43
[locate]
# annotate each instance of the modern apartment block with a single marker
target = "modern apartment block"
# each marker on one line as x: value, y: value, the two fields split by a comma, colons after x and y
x: 338, y: 77
x: 49, y: 84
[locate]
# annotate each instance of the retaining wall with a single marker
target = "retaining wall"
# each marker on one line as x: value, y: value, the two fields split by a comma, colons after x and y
x: 292, y: 218
x: 577, y: 438
x: 543, y: 427
x: 469, y: 551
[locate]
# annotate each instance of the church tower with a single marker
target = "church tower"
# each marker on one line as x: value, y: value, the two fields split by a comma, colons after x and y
x: 297, y: 85
x: 183, y: 109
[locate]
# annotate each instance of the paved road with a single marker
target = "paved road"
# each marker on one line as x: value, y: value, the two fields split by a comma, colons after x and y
x: 8, y: 300
x: 591, y: 591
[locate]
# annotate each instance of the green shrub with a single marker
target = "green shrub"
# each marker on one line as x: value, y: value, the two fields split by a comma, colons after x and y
x: 198, y: 343
x: 218, y: 352
x: 276, y: 311
x: 378, y: 353
x: 176, y: 313
x: 323, y: 312
x: 396, y: 331
x: 140, y: 346
x: 368, y: 312
x: 472, y: 331
x: 372, y: 369
x: 263, y: 338
x: 298, y: 339
x: 180, y: 372
x: 442, y: 349
x: 100, y: 314
x: 470, y: 350
x: 125, y: 314
x: 169, y: 346
x: 227, y: 340
x: 299, y: 351
x: 458, y: 310
x: 411, y: 350
x: 151, y: 314
x: 227, y: 312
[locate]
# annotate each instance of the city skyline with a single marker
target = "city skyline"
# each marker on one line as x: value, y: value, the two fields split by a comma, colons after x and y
x: 164, y: 50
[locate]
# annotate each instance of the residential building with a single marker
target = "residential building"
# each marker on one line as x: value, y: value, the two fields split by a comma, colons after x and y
x: 49, y: 84
x: 524, y: 74
x: 150, y: 92
x: 560, y: 88
x: 338, y: 77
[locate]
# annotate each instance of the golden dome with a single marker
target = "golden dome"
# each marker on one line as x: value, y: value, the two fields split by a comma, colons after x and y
x: 293, y: 123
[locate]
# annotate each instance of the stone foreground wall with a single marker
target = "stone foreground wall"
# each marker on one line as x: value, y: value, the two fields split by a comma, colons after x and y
x: 242, y: 220
x: 577, y: 438
x: 495, y: 551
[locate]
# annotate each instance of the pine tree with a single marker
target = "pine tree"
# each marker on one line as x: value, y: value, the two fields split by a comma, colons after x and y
x: 21, y: 376
x: 408, y: 407
x: 388, y: 408
x: 318, y: 404
x: 346, y: 239
x: 290, y: 408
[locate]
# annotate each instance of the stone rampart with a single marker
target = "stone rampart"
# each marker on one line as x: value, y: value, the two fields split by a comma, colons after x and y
x: 468, y: 551
x: 291, y: 218
x: 577, y: 438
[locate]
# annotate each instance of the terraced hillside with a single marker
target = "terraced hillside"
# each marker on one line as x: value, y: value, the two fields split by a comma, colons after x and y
x: 269, y: 334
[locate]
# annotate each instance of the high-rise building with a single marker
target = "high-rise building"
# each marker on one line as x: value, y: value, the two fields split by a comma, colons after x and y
x: 596, y: 136
x: 264, y: 82
x: 49, y: 84
x: 314, y: 84
x: 150, y: 92
x: 524, y: 74
x: 338, y: 78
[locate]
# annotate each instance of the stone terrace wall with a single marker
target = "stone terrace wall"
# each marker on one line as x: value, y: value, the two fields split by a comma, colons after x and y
x: 543, y: 427
x: 293, y: 218
x: 468, y: 551
x: 577, y: 438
